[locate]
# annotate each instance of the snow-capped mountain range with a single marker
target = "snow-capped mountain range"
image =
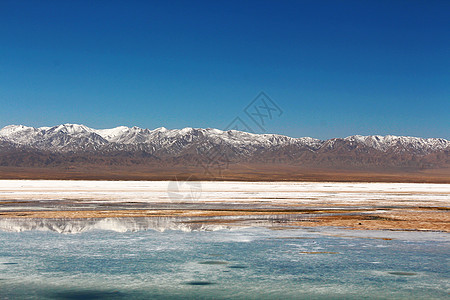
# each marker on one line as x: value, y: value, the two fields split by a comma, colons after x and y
x: 74, y: 138
x: 144, y: 153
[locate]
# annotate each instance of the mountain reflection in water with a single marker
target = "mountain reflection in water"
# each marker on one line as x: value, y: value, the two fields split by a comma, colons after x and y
x: 133, y: 224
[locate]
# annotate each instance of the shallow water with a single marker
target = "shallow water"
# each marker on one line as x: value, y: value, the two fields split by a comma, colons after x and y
x: 256, y: 263
x: 237, y: 256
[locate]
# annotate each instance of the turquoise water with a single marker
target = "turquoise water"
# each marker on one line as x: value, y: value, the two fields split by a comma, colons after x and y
x: 246, y: 263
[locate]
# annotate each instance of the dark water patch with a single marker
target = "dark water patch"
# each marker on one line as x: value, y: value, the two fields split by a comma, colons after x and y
x: 377, y: 218
x: 215, y: 255
x: 237, y: 267
x: 319, y: 252
x: 10, y: 263
x: 213, y: 262
x: 87, y: 295
x: 291, y: 238
x: 403, y: 273
x: 359, y: 237
x: 288, y: 227
x: 200, y: 283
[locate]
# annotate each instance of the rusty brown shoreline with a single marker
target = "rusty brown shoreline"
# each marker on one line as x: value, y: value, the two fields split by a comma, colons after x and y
x: 398, y: 218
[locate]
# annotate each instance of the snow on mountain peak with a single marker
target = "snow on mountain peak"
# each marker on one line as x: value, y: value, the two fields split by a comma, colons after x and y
x: 19, y: 134
x: 113, y: 134
x: 11, y: 129
x: 400, y: 143
x: 71, y: 129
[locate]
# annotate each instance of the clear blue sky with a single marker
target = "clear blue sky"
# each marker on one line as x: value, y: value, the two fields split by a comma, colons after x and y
x: 335, y: 68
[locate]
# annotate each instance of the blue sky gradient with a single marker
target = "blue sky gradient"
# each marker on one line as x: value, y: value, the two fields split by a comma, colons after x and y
x: 335, y: 68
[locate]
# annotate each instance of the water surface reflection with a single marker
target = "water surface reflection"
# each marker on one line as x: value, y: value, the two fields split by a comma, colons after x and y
x: 133, y: 224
